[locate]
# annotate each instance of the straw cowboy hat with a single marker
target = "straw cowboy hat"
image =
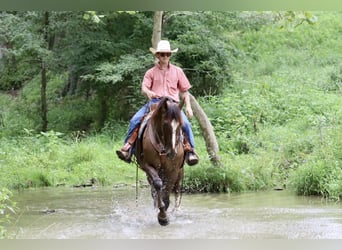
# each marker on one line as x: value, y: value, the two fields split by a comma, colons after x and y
x: 163, y: 46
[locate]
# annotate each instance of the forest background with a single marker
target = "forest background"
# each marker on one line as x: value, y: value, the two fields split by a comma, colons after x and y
x: 269, y: 82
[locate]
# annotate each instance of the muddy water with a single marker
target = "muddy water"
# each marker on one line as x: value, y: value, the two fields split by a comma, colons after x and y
x: 115, y: 213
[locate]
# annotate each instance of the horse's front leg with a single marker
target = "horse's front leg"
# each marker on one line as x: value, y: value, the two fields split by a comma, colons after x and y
x: 154, y: 177
x: 157, y: 185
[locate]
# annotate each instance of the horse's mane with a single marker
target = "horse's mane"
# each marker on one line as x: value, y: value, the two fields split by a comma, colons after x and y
x: 169, y: 108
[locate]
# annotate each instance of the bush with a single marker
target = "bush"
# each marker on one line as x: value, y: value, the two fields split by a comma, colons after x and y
x: 321, y: 177
x: 6, y: 208
x: 236, y: 174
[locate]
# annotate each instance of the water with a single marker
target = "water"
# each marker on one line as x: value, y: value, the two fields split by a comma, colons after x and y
x: 114, y: 213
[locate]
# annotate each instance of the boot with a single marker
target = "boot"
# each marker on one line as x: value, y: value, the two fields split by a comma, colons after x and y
x: 125, y: 153
x: 191, y: 158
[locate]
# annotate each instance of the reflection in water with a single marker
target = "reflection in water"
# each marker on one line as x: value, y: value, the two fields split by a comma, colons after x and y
x: 107, y: 213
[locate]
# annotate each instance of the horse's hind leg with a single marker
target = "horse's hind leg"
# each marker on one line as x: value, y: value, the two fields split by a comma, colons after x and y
x: 177, y: 200
x: 177, y: 190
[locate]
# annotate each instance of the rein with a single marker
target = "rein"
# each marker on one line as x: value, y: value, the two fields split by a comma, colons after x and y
x: 136, y: 182
x: 158, y: 146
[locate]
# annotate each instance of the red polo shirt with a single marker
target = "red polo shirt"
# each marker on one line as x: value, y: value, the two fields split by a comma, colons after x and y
x: 166, y: 82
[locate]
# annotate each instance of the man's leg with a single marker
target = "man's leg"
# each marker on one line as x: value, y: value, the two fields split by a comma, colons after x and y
x: 189, y: 142
x: 125, y: 153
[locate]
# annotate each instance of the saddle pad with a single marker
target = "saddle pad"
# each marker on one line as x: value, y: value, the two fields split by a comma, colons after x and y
x: 144, y: 123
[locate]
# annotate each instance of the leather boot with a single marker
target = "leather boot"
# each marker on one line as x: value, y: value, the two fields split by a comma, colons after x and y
x: 191, y: 158
x: 125, y: 153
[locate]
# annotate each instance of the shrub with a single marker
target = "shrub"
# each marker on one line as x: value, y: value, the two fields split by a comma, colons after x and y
x: 7, y: 206
x: 319, y: 177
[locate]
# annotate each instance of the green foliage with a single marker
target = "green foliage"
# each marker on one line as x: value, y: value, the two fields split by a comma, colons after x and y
x: 126, y: 74
x: 236, y: 174
x: 203, y: 49
x: 76, y: 54
x: 276, y: 111
x: 53, y: 159
x: 7, y: 207
x: 335, y: 80
x: 17, y: 46
x: 321, y: 174
x: 322, y: 177
x: 12, y: 118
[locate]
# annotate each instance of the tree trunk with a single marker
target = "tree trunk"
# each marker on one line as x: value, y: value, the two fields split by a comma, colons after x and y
x: 207, y: 131
x: 44, y: 109
x: 206, y: 127
x: 43, y: 99
x: 157, y: 28
x: 103, y: 110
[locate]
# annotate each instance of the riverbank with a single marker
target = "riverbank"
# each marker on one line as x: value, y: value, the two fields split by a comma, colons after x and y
x: 53, y: 159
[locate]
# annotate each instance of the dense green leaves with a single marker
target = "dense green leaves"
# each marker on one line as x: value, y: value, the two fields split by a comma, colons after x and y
x: 7, y: 207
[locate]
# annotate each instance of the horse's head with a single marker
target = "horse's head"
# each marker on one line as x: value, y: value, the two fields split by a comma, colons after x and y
x: 168, y: 123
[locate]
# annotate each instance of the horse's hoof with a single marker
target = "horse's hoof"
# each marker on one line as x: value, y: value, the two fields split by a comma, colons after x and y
x: 163, y: 221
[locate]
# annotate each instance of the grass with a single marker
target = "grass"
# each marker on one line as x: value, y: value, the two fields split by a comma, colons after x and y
x: 7, y: 208
x: 34, y: 161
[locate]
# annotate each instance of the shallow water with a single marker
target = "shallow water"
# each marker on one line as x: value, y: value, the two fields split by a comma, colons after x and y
x: 115, y: 213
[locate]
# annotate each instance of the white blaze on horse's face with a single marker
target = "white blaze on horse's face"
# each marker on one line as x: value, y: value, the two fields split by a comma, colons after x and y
x: 174, y: 125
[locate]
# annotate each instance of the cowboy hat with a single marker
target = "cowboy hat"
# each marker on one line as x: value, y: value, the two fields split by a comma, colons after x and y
x: 163, y: 46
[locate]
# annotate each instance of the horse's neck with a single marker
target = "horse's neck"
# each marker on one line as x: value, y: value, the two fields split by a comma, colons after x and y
x: 156, y: 137
x: 157, y: 130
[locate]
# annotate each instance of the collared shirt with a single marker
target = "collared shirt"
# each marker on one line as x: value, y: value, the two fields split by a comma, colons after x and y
x: 166, y: 82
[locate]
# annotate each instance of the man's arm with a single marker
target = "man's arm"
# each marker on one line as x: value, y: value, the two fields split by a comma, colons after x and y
x: 149, y: 93
x: 186, y: 99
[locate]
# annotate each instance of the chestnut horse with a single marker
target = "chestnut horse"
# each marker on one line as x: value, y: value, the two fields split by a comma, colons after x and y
x: 160, y: 154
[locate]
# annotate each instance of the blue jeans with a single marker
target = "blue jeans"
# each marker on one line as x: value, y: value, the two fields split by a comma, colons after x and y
x: 136, y: 120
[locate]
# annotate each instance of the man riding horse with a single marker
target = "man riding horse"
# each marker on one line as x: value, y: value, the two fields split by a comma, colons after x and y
x: 164, y: 79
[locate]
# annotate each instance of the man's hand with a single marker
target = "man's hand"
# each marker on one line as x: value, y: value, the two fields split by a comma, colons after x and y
x: 186, y: 99
x: 151, y: 95
x: 188, y: 111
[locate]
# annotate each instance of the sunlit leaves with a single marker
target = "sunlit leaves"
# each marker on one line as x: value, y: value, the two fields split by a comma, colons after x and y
x: 292, y: 19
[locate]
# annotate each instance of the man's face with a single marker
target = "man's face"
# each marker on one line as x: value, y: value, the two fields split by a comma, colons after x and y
x: 164, y: 56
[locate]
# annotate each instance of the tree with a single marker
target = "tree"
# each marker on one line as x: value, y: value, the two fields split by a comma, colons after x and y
x: 207, y: 131
x: 44, y: 109
x: 205, y: 125
x: 157, y: 28
x: 27, y: 48
x: 18, y: 44
x: 116, y: 79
